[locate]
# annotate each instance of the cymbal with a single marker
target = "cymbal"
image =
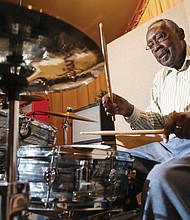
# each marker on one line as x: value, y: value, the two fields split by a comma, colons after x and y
x: 52, y: 54
x: 27, y: 98
x: 31, y: 98
x: 66, y: 114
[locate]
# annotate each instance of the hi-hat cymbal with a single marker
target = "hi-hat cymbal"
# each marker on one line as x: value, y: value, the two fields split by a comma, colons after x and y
x: 27, y: 98
x: 66, y: 114
x: 52, y: 55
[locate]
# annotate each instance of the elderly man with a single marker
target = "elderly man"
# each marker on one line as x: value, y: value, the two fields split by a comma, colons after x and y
x: 163, y: 169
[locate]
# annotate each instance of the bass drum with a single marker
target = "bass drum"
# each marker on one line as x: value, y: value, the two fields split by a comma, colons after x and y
x: 78, y: 180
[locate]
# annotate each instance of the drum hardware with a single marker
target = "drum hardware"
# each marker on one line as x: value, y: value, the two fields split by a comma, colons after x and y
x: 113, y: 176
x: 66, y: 126
x: 83, y: 184
x: 25, y: 127
x: 105, y: 215
x: 50, y: 176
x: 130, y: 201
x: 128, y: 215
x: 64, y: 214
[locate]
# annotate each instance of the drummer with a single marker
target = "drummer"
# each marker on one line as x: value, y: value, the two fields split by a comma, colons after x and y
x: 163, y: 169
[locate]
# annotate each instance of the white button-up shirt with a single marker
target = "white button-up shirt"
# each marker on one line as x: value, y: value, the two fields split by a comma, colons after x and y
x: 170, y: 92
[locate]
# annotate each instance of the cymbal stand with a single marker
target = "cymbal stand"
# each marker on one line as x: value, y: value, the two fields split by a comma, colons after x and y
x: 66, y: 126
x: 13, y: 195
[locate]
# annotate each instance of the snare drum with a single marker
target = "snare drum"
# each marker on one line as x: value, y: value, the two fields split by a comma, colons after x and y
x: 73, y: 177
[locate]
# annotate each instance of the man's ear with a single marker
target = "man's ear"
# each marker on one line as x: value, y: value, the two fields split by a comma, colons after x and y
x: 181, y: 34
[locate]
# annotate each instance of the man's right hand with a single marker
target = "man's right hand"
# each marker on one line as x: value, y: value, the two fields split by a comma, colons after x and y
x: 119, y: 106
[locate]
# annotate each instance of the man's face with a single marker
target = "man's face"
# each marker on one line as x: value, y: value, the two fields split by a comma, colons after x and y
x: 166, y: 45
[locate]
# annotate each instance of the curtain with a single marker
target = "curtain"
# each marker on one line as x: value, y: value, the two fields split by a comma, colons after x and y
x: 154, y: 8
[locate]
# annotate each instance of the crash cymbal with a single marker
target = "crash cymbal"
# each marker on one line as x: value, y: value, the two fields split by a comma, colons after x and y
x: 66, y: 114
x: 51, y: 54
x: 27, y: 98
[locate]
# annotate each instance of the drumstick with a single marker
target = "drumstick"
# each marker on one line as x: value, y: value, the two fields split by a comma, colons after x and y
x: 106, y: 66
x: 133, y: 132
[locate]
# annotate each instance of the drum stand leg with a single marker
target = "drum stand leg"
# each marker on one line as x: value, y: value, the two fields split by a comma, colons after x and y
x: 13, y: 195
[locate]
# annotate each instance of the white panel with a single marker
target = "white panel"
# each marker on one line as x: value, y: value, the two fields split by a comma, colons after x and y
x: 187, y: 7
x: 93, y: 113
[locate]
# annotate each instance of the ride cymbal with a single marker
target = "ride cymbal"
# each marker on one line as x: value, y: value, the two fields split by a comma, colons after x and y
x: 48, y: 53
x: 66, y: 114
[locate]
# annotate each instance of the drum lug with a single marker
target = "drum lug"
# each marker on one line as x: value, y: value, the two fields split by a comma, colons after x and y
x: 83, y: 176
x: 25, y: 128
x: 50, y: 176
x: 113, y: 177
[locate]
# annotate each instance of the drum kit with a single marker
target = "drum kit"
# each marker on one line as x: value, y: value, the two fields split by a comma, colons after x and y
x: 39, y: 53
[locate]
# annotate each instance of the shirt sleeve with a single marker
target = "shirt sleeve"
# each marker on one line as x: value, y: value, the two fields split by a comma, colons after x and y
x: 140, y: 120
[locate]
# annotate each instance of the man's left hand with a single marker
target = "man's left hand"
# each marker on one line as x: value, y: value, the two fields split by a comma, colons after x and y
x: 179, y: 124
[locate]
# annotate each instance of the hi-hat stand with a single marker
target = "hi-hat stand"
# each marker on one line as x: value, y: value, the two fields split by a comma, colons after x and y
x: 13, y: 194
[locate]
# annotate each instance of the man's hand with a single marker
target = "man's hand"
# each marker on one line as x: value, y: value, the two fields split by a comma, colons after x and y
x: 179, y: 124
x: 119, y: 106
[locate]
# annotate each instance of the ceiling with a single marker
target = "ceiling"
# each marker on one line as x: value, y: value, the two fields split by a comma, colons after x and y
x: 86, y: 15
